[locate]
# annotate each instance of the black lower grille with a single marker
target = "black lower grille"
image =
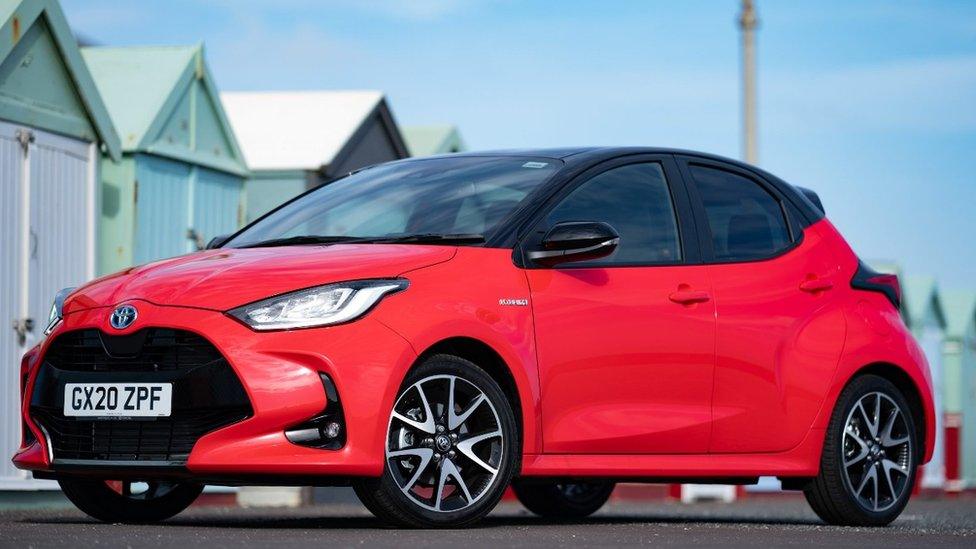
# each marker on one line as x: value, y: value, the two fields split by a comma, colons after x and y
x: 207, y: 394
x: 164, y: 439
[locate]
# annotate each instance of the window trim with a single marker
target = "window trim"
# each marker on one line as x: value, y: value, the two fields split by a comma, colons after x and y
x: 706, y: 238
x: 529, y: 234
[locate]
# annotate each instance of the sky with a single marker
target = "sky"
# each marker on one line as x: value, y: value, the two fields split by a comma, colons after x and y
x: 870, y: 103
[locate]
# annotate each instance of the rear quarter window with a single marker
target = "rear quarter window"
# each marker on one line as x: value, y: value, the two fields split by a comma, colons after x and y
x: 745, y: 221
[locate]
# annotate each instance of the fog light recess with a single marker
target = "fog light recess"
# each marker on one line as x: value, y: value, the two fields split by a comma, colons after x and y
x: 327, y: 430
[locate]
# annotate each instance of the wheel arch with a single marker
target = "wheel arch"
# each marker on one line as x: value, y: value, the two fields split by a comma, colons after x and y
x: 490, y: 360
x: 909, y: 389
x: 879, y: 343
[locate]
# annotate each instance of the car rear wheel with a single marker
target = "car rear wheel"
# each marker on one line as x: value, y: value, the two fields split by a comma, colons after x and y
x: 561, y: 500
x: 869, y: 459
x: 450, y: 451
x: 130, y: 501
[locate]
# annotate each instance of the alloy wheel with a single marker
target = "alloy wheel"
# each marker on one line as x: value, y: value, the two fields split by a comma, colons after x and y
x: 877, y: 451
x: 444, y: 443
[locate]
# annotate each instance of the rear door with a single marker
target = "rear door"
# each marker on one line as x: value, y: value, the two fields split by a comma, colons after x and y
x: 778, y: 338
x: 624, y: 368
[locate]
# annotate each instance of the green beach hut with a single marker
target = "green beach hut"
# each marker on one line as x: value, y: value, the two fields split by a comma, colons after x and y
x: 53, y: 128
x: 181, y: 177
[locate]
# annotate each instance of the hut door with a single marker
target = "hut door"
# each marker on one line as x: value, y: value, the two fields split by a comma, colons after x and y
x: 47, y: 205
x: 216, y: 204
x: 930, y: 339
x: 162, y: 208
x: 13, y: 307
x: 180, y: 207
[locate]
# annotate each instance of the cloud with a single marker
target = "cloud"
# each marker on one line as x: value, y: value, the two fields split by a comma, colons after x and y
x: 413, y: 10
x: 251, y: 55
x: 422, y: 10
x: 915, y: 95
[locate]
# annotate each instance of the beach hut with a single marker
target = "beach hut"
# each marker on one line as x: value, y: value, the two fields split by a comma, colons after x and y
x: 295, y: 141
x: 925, y: 315
x: 181, y: 178
x: 959, y: 363
x: 431, y: 140
x: 52, y: 126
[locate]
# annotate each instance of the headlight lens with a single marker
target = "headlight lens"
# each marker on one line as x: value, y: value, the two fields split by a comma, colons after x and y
x: 319, y: 306
x: 57, y: 310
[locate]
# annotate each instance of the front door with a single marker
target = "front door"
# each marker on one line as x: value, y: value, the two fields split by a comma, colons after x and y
x: 625, y: 360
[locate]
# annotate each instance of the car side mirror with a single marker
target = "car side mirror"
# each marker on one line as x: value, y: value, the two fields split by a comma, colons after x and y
x: 217, y: 241
x: 576, y: 241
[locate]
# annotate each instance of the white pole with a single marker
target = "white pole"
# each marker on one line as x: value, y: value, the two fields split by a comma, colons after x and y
x: 748, y: 23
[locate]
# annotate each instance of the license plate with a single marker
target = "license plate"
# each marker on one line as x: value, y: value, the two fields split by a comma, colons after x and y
x: 118, y: 399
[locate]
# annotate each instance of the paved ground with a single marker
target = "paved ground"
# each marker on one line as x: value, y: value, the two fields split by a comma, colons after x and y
x: 757, y: 522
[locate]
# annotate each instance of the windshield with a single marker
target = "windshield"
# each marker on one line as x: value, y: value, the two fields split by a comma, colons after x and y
x: 452, y: 196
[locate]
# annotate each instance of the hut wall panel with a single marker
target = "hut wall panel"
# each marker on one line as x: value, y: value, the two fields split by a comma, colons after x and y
x: 162, y: 209
x: 216, y: 203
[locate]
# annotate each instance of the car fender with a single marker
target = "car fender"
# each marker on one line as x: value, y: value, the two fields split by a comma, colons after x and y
x: 479, y: 295
x: 877, y: 337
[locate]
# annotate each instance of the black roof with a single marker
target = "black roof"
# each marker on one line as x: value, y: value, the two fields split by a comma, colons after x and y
x: 564, y: 153
x: 577, y: 157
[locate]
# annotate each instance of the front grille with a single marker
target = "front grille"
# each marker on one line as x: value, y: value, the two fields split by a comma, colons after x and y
x: 151, y: 350
x: 207, y: 395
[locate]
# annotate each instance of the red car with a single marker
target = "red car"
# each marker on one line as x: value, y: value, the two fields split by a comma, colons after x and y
x: 431, y: 331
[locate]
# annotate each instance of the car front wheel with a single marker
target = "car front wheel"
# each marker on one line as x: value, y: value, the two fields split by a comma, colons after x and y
x: 450, y: 450
x: 869, y: 457
x: 130, y: 501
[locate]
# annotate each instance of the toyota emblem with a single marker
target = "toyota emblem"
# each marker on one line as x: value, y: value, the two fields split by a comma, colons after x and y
x: 123, y: 317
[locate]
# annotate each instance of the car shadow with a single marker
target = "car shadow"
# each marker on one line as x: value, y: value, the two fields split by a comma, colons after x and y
x: 365, y: 522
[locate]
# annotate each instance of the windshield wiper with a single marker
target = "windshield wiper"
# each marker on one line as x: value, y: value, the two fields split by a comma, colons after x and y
x: 305, y: 239
x: 396, y: 239
x: 432, y: 238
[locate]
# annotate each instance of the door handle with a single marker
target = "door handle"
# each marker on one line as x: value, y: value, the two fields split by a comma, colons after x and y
x: 814, y: 285
x: 689, y: 297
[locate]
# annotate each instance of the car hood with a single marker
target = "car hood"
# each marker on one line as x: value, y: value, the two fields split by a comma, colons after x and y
x: 226, y: 278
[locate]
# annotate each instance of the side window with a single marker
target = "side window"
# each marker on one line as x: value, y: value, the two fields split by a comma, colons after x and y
x: 634, y: 199
x: 746, y: 221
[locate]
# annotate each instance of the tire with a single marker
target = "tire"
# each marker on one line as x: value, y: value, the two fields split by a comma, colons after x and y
x: 562, y: 500
x: 99, y: 500
x: 432, y: 477
x: 852, y: 495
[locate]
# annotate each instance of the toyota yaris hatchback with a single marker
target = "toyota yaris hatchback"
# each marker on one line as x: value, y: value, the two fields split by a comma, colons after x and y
x: 431, y: 331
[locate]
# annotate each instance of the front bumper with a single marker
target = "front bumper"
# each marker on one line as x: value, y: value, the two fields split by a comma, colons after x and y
x: 281, y: 376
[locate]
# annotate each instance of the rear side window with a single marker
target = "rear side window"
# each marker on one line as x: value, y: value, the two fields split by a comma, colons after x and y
x: 635, y: 200
x: 746, y: 221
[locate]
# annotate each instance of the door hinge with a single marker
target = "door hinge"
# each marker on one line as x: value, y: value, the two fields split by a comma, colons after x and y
x: 23, y: 326
x: 25, y: 138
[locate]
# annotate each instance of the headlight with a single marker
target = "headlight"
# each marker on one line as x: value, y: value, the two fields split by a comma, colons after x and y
x: 319, y: 306
x: 57, y: 308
